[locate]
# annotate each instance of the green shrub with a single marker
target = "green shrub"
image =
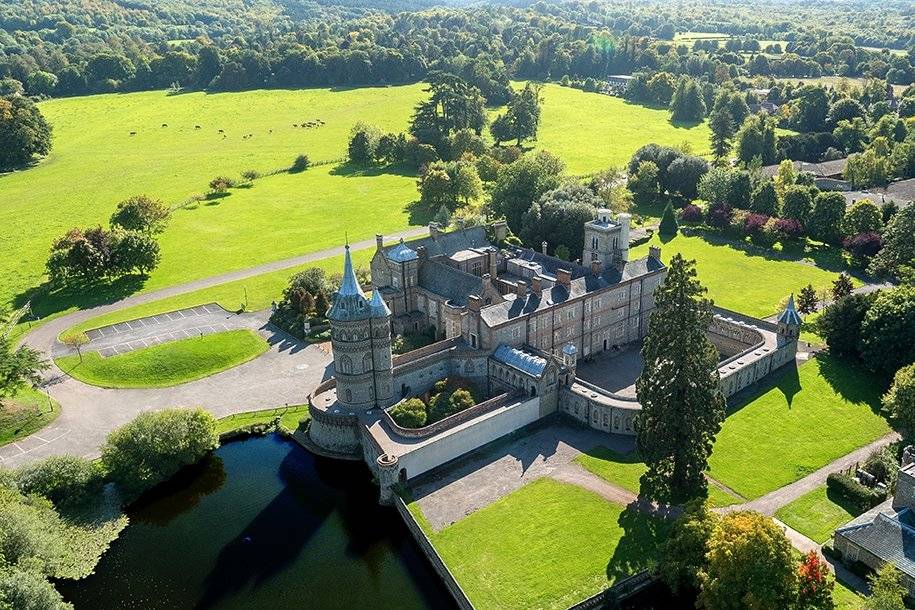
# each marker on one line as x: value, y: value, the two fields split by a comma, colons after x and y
x: 155, y: 446
x: 29, y: 590
x: 410, y: 413
x: 863, y: 498
x: 668, y: 224
x: 301, y: 163
x: 65, y: 480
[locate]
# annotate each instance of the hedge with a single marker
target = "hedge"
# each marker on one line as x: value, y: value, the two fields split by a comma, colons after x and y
x: 846, y: 486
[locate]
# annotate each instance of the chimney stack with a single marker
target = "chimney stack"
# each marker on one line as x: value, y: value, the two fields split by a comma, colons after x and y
x: 521, y: 288
x: 564, y: 278
x: 654, y: 252
x: 435, y: 230
x: 379, y: 241
x: 595, y: 267
x: 537, y: 285
x: 625, y: 221
x: 543, y: 247
x: 474, y: 303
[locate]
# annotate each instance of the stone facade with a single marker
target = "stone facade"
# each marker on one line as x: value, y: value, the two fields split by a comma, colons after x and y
x: 514, y: 322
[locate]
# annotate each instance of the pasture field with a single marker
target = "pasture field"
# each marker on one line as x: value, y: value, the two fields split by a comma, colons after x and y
x: 807, y: 416
x: 96, y: 162
x: 167, y: 364
x: 742, y: 280
x: 508, y: 555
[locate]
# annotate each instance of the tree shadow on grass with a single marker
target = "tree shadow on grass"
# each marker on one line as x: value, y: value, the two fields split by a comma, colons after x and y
x: 639, y: 548
x: 355, y: 170
x: 851, y: 381
x: 47, y: 300
x: 420, y: 213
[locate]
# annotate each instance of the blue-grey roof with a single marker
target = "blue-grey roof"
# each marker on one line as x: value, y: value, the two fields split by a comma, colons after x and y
x: 790, y: 316
x: 521, y: 360
x: 349, y: 300
x: 377, y: 305
x: 452, y: 284
x: 401, y: 253
x: 569, y: 349
x: 889, y: 535
x: 446, y: 244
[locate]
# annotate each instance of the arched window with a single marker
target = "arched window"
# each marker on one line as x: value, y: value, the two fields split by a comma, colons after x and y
x: 366, y: 363
x: 348, y: 395
x: 346, y: 364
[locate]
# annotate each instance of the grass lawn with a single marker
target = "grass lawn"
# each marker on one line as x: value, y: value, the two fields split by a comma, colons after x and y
x: 845, y: 598
x: 801, y: 420
x: 167, y: 364
x: 743, y: 281
x: 290, y: 418
x: 625, y: 470
x: 28, y: 411
x: 546, y: 545
x: 816, y: 514
x: 592, y: 131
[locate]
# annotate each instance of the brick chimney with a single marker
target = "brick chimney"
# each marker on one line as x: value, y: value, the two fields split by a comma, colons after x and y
x: 435, y: 230
x: 379, y: 241
x: 521, y: 288
x: 474, y: 303
x: 537, y: 285
x: 421, y: 252
x: 595, y: 267
x: 564, y: 278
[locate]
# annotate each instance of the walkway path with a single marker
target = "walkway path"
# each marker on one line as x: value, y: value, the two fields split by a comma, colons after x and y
x: 283, y: 375
x: 772, y: 501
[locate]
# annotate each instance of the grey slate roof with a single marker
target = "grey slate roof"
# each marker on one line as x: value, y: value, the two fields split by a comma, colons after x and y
x: 583, y: 282
x: 349, y: 301
x: 889, y: 535
x: 822, y: 169
x: 790, y: 316
x: 447, y: 244
x: 521, y: 360
x: 448, y: 282
x: 377, y: 305
x: 901, y: 191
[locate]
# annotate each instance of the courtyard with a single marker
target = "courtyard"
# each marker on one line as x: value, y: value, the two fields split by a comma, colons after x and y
x: 615, y: 371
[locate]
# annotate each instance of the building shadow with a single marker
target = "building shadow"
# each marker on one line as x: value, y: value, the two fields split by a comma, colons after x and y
x: 851, y: 381
x: 181, y: 493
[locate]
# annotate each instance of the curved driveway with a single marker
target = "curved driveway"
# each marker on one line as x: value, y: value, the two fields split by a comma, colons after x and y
x: 283, y: 375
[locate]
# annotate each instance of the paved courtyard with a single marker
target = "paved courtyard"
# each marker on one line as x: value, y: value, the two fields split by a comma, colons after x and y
x: 449, y: 494
x: 614, y: 371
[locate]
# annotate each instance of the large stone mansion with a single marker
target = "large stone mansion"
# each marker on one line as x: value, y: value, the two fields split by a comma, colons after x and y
x: 513, y: 321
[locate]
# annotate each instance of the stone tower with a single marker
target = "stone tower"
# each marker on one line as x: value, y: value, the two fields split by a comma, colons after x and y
x: 606, y: 239
x: 789, y: 323
x: 361, y: 343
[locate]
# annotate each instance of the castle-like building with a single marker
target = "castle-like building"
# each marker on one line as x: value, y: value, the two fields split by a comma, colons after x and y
x: 513, y: 321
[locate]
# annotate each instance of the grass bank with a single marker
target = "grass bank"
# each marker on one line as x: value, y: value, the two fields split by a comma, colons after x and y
x: 167, y: 364
x: 28, y: 411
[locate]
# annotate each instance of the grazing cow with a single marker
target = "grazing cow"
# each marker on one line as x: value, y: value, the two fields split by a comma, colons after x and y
x: 133, y: 133
x: 295, y: 124
x: 221, y: 131
x: 164, y: 124
x: 196, y: 126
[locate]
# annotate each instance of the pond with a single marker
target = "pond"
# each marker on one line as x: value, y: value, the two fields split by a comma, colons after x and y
x: 262, y: 523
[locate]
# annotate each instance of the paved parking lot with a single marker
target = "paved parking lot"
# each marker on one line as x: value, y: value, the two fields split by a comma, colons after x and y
x: 153, y: 330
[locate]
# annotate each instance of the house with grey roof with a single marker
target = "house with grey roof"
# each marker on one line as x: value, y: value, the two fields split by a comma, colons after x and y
x: 827, y: 175
x: 901, y: 192
x: 886, y: 533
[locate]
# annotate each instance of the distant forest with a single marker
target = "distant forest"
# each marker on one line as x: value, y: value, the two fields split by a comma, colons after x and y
x: 71, y: 47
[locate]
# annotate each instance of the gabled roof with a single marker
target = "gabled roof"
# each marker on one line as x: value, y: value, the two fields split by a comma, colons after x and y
x: 521, y: 360
x: 888, y: 534
x: 451, y: 284
x: 446, y: 244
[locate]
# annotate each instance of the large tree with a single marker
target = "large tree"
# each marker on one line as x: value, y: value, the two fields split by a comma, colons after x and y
x: 898, y: 246
x: 24, y: 133
x: 722, y: 133
x: 453, y: 105
x: 559, y: 217
x: 687, y: 104
x: 18, y: 367
x: 522, y: 118
x: 887, y: 330
x: 682, y: 404
x: 523, y: 182
x: 750, y: 565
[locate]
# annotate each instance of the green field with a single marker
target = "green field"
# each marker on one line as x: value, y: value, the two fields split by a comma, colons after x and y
x: 96, y: 162
x: 28, y: 411
x: 816, y: 514
x: 806, y: 418
x: 625, y: 470
x: 744, y: 281
x: 167, y: 364
x: 546, y: 545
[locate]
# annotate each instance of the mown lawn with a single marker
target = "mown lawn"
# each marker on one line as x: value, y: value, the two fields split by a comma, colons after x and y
x: 96, y: 162
x: 742, y: 281
x: 290, y: 418
x: 546, y: 545
x: 625, y: 470
x: 801, y: 420
x: 167, y: 364
x: 28, y: 411
x: 816, y: 514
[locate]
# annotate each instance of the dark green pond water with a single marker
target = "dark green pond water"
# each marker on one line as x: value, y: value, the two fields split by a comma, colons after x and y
x: 263, y: 524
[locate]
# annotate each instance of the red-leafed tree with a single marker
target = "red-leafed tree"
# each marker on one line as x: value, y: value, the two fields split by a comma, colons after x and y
x: 815, y: 586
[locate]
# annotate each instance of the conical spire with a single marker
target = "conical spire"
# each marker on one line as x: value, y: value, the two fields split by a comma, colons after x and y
x: 349, y: 301
x: 377, y: 305
x: 790, y: 316
x: 350, y: 285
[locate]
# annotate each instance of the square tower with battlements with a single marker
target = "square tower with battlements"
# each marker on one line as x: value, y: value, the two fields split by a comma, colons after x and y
x: 606, y: 239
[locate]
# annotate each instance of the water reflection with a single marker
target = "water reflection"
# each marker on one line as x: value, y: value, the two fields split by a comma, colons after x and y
x: 263, y: 524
